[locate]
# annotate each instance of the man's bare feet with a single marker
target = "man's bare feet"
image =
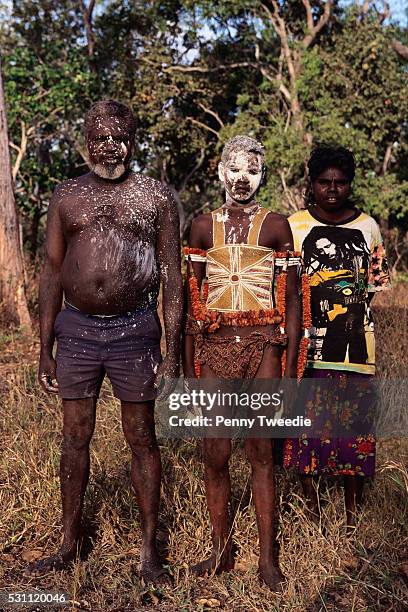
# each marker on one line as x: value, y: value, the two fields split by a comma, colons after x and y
x: 154, y: 573
x: 151, y: 568
x: 215, y: 564
x: 271, y: 575
x: 57, y: 562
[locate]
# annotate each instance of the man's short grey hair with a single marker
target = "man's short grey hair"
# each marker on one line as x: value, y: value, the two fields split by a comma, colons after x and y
x: 242, y: 143
x: 109, y: 109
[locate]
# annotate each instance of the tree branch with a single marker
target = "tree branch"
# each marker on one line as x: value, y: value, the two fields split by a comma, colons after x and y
x: 313, y: 30
x: 277, y: 80
x: 280, y: 28
x: 87, y: 16
x: 196, y: 167
x: 309, y: 15
x: 203, y: 125
x: 70, y: 137
x: 25, y: 136
x: 382, y: 15
x: 213, y: 113
x: 21, y: 151
x: 289, y: 196
x: 387, y: 158
x: 194, y: 214
x: 399, y: 48
x: 203, y: 69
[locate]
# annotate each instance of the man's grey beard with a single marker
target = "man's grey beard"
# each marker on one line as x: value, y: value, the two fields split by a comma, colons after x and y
x: 108, y: 171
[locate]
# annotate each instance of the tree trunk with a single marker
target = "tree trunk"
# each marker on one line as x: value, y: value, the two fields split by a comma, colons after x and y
x: 13, y: 301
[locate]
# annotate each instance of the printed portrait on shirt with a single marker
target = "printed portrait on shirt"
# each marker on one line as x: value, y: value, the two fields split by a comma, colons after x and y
x: 337, y: 262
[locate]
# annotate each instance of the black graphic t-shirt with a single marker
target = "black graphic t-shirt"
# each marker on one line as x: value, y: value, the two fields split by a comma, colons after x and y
x: 345, y: 262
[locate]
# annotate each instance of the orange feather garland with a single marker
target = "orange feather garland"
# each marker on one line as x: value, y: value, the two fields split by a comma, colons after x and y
x: 306, y: 324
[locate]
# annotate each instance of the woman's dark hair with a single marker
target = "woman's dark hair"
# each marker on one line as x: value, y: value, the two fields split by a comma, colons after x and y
x: 328, y: 156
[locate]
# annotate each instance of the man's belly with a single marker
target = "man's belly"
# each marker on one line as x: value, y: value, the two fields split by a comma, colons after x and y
x: 109, y: 282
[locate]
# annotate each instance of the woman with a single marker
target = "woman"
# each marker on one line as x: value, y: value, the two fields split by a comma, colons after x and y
x: 344, y: 257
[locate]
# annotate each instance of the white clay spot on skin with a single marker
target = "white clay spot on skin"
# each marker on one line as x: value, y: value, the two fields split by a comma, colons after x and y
x: 222, y: 216
x: 240, y: 224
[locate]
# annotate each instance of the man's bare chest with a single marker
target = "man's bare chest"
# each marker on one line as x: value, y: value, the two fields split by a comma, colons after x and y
x: 128, y: 210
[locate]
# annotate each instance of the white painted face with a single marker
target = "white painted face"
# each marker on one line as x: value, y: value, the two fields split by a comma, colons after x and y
x: 242, y: 175
x: 109, y: 148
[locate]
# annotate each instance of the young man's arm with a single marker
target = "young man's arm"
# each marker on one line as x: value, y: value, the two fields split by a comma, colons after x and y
x: 50, y: 295
x: 195, y: 241
x: 169, y: 260
x: 293, y: 322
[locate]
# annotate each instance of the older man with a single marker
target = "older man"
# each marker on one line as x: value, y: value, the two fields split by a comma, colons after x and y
x: 112, y: 238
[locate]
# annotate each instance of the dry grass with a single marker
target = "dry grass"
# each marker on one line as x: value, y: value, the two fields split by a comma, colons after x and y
x: 324, y: 571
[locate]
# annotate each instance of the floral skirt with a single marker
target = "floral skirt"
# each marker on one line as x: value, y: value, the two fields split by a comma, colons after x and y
x: 329, y: 454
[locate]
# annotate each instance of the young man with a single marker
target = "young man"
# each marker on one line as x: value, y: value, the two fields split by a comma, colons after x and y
x: 236, y: 332
x: 112, y: 238
x: 344, y: 257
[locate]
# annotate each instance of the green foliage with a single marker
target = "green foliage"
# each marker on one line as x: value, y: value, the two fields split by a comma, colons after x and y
x: 196, y: 73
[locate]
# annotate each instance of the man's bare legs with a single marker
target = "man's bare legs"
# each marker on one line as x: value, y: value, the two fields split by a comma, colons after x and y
x: 353, y: 495
x: 138, y: 427
x: 216, y: 454
x: 78, y: 428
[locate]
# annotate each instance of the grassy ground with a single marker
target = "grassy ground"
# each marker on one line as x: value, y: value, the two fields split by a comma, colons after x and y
x: 323, y: 570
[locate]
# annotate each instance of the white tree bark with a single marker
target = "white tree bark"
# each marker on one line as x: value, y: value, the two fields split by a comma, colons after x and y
x: 13, y: 301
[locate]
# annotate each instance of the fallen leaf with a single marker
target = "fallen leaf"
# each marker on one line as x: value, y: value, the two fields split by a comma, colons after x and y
x: 154, y: 598
x: 242, y: 566
x: 31, y: 555
x: 208, y: 603
x: 246, y: 563
x: 350, y: 562
x: 341, y: 601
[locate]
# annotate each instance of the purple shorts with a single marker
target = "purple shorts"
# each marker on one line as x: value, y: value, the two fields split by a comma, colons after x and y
x: 125, y: 347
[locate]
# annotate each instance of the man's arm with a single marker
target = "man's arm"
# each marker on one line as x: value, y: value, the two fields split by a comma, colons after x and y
x: 293, y: 323
x: 169, y: 259
x: 50, y: 295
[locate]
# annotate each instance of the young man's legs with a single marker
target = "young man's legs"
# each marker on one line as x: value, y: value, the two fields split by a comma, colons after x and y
x: 260, y: 454
x: 216, y: 454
